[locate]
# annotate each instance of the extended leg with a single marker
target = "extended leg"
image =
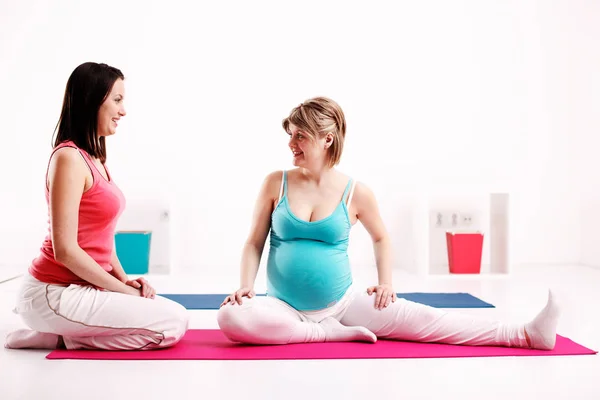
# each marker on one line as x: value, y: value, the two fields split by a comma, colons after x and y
x: 406, y: 320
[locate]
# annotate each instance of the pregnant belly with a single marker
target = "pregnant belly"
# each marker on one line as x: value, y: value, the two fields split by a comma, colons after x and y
x: 308, y: 275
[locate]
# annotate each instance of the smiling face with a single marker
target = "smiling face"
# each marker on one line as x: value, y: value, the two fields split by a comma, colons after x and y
x: 308, y: 152
x: 111, y: 110
x: 317, y: 129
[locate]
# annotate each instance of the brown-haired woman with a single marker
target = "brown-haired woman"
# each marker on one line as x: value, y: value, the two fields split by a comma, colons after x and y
x: 76, y: 293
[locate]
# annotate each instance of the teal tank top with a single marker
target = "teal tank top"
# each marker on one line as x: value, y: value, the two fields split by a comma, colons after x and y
x: 308, y: 265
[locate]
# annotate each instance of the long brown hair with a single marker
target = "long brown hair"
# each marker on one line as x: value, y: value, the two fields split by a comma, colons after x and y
x: 87, y: 88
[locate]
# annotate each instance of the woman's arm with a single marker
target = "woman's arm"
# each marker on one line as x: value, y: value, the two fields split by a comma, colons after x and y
x: 140, y: 283
x: 367, y: 211
x: 259, y: 230
x: 118, y: 271
x: 66, y: 178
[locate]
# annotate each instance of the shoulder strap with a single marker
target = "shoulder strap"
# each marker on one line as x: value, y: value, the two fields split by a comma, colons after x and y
x: 283, y: 189
x: 82, y: 153
x: 351, y: 185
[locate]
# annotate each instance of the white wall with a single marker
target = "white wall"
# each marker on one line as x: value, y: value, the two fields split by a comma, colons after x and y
x: 585, y: 87
x: 439, y: 96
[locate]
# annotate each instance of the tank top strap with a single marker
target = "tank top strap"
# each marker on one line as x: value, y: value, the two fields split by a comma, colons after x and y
x: 93, y: 169
x: 283, y: 189
x: 59, y: 146
x: 347, y: 190
x: 82, y: 153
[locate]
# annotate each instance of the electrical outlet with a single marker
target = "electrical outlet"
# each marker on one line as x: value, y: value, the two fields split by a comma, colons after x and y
x: 439, y: 220
x: 466, y: 219
x: 452, y: 219
x: 445, y: 219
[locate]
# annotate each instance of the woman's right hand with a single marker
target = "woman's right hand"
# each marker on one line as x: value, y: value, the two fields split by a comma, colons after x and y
x: 237, y: 296
x: 130, y: 290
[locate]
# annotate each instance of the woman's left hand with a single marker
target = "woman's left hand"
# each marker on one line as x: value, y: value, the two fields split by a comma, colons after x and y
x: 385, y: 294
x: 145, y: 289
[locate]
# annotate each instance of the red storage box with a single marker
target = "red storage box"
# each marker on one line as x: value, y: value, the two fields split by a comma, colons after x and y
x: 464, y: 252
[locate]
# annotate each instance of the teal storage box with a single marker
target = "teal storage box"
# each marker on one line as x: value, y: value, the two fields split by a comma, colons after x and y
x: 133, y: 250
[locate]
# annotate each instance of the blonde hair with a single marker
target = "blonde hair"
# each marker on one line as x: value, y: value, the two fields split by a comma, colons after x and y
x: 317, y: 117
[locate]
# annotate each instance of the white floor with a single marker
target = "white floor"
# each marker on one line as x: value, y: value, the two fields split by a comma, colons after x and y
x: 28, y: 375
x: 10, y: 272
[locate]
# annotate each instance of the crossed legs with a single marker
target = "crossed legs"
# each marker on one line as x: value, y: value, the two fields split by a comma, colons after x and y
x: 265, y: 320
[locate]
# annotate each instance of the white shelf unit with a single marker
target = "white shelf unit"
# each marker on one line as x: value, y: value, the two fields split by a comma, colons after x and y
x: 488, y: 213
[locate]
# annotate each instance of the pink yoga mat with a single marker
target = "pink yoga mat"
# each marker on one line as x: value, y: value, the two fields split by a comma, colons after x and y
x: 211, y: 344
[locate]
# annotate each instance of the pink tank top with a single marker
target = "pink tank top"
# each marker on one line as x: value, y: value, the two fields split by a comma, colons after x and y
x: 99, y: 209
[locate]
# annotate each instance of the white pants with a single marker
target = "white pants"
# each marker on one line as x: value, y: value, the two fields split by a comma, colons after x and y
x: 267, y: 320
x: 88, y: 318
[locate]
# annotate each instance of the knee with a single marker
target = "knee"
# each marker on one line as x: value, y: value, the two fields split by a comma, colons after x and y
x: 181, y: 321
x: 362, y: 312
x: 235, y: 321
x: 180, y: 329
x: 178, y: 324
x: 228, y: 318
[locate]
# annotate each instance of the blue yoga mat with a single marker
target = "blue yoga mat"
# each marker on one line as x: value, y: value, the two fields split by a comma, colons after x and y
x: 438, y: 300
